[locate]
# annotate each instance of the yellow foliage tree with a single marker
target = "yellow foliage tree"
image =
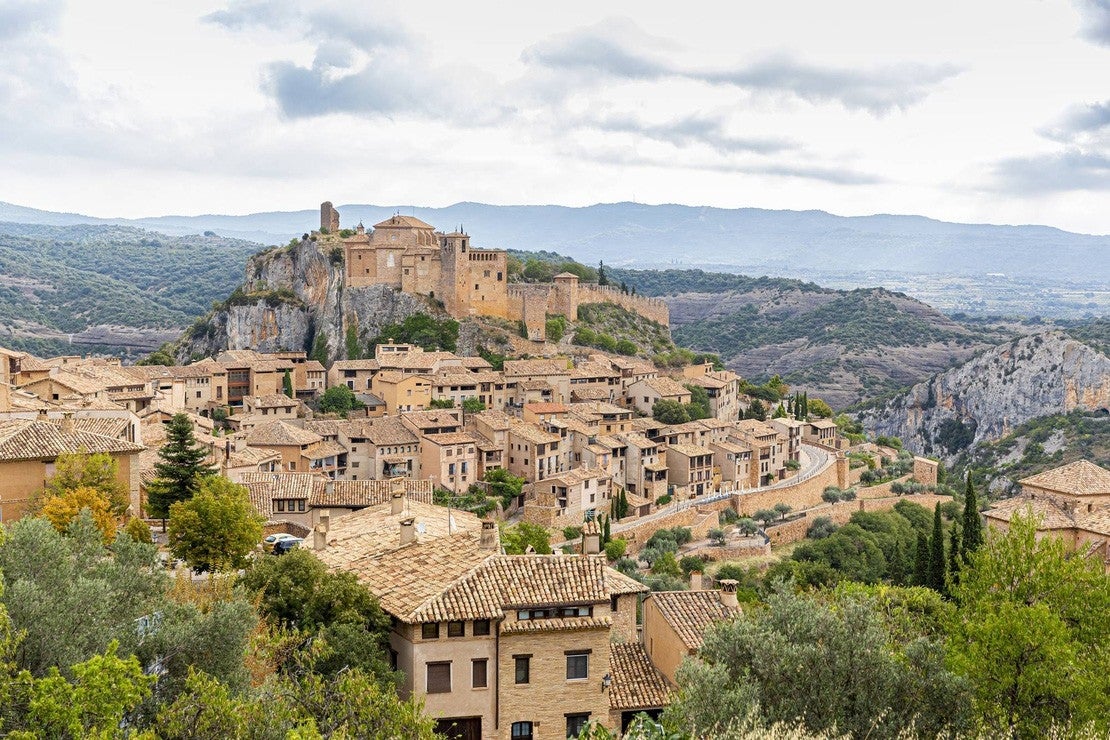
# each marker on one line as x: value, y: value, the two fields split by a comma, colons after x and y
x: 62, y: 509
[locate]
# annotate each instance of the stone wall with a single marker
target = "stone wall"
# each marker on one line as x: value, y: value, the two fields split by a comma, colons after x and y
x: 801, y: 495
x: 795, y: 529
x: 700, y: 519
x: 654, y: 309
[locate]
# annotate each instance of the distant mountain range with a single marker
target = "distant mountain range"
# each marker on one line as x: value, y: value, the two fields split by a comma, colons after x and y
x: 637, y: 235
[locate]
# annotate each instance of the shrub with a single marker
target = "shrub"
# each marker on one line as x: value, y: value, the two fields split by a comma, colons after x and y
x: 572, y: 532
x: 615, y: 549
x: 728, y: 516
x: 822, y: 527
x: 717, y: 536
x: 663, y: 500
x: 831, y: 495
x: 747, y: 526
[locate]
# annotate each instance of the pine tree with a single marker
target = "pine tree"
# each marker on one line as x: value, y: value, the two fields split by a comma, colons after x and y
x: 287, y: 384
x: 180, y: 469
x: 921, y: 561
x: 972, y: 524
x: 602, y: 278
x: 954, y: 560
x: 937, y: 567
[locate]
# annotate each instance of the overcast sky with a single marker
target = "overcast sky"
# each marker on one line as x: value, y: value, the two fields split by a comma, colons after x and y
x: 965, y: 111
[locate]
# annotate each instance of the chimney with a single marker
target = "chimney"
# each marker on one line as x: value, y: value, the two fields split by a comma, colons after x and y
x: 696, y: 581
x: 398, y: 503
x: 728, y: 593
x: 329, y: 486
x: 489, y: 535
x: 67, y: 423
x: 320, y: 531
x: 408, y: 530
x: 591, y: 543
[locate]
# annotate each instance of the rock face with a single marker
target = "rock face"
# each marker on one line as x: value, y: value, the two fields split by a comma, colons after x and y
x: 292, y: 296
x: 985, y: 398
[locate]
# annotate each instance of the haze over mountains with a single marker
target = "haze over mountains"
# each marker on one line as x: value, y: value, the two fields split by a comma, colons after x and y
x: 638, y: 235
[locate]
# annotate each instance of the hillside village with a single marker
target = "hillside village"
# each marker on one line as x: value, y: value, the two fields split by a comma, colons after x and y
x: 413, y: 481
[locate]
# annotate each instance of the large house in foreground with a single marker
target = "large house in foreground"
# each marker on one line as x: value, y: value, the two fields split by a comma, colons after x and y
x: 520, y: 647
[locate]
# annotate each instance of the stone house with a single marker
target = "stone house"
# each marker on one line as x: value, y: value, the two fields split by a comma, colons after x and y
x: 497, y: 646
x: 355, y: 374
x: 723, y: 389
x: 534, y: 454
x: 645, y: 467
x: 767, y: 445
x: 297, y: 447
x: 794, y: 431
x: 402, y: 392
x: 573, y: 496
x: 449, y: 460
x: 644, y: 394
x: 675, y: 622
x: 537, y: 376
x: 689, y: 470
x: 1071, y: 502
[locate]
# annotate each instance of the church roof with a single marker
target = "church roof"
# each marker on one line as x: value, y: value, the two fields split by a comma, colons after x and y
x: 1081, y: 478
x: 403, y: 222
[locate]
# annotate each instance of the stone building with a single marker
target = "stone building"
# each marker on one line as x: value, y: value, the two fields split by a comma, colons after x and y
x: 408, y: 254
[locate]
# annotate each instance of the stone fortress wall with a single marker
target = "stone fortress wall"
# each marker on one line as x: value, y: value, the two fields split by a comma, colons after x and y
x: 407, y: 254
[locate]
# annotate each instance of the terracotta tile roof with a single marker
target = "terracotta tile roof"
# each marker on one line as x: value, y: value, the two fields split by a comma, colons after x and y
x: 665, y: 387
x: 497, y: 420
x: 112, y: 427
x: 535, y: 385
x: 556, y: 625
x: 359, y: 494
x: 432, y: 419
x: 579, y: 394
x: 271, y: 401
x: 637, y: 683
x: 634, y: 439
x: 327, y: 427
x: 523, y: 368
x: 411, y: 222
x: 75, y: 382
x: 27, y: 439
x: 251, y: 457
x: 823, y: 423
x: 690, y: 450
x: 314, y: 366
x: 288, y: 485
x: 130, y: 395
x: 532, y: 433
x: 280, y: 434
x: 325, y: 449
x: 619, y: 583
x: 355, y: 365
x: 546, y: 408
x: 690, y: 613
x: 1080, y: 478
x: 590, y: 369
x: 388, y: 430
x: 1052, y: 514
x: 451, y: 438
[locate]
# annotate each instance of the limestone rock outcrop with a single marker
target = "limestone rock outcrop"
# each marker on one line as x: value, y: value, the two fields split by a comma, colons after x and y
x: 292, y: 296
x: 986, y: 397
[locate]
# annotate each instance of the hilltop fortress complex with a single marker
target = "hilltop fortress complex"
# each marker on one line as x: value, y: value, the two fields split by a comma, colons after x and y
x: 407, y: 254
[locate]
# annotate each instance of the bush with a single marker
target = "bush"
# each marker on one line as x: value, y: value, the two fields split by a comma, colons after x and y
x: 626, y: 348
x: 831, y: 495
x: 717, y: 536
x: 572, y: 533
x: 747, y: 526
x: 691, y: 563
x: 766, y: 516
x: 728, y: 516
x: 666, y: 565
x: 663, y: 500
x: 615, y: 549
x: 139, y: 531
x: 822, y: 527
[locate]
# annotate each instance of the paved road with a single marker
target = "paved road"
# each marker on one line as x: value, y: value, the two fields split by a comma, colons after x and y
x: 814, y: 460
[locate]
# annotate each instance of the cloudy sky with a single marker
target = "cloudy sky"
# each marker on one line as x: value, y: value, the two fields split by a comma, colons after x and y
x: 989, y: 111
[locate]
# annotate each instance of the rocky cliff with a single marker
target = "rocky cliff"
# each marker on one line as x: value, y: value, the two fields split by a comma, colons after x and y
x: 292, y: 297
x: 986, y: 397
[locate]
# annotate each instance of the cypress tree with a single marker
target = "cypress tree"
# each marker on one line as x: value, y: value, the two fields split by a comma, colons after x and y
x: 972, y: 524
x: 180, y: 469
x: 936, y: 554
x: 605, y: 531
x: 287, y: 384
x: 921, y: 561
x: 954, y: 554
x: 897, y: 565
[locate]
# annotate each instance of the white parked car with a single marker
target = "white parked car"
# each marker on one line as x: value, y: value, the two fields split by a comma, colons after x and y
x: 275, y: 538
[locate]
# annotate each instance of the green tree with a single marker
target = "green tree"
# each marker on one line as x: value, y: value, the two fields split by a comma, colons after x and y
x: 217, y: 528
x: 139, y: 531
x: 972, y: 524
x: 782, y: 509
x: 473, y: 405
x: 954, y: 560
x: 937, y: 571
x: 517, y: 538
x: 73, y: 470
x: 620, y: 510
x: 766, y: 516
x: 666, y: 565
x: 747, y: 526
x: 828, y: 661
x: 698, y: 408
x: 339, y: 399
x: 615, y: 549
x: 441, y: 403
x: 756, y: 410
x: 921, y: 560
x: 504, y: 485
x: 602, y: 278
x: 1032, y: 635
x: 320, y: 349
x: 667, y: 411
x: 181, y: 466
x: 287, y: 385
x: 354, y: 352
x: 820, y: 409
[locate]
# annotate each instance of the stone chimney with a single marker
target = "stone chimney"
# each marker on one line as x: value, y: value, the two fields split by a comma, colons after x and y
x: 67, y: 423
x: 408, y: 530
x: 696, y: 583
x: 728, y: 593
x: 591, y: 538
x: 397, y: 505
x: 320, y: 531
x: 329, y: 487
x: 489, y: 535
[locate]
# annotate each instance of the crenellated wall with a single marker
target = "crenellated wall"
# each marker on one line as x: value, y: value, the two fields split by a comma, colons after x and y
x: 654, y: 309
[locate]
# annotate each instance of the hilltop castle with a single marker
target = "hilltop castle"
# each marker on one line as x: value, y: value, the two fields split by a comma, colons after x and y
x: 407, y: 254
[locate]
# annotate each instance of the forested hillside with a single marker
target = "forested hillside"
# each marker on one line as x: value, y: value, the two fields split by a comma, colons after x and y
x: 62, y: 280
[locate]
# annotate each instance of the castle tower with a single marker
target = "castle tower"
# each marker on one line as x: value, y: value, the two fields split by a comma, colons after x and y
x: 454, y: 272
x: 566, y: 295
x: 329, y: 218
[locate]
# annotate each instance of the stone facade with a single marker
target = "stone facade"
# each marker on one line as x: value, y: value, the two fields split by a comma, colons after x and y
x: 407, y: 254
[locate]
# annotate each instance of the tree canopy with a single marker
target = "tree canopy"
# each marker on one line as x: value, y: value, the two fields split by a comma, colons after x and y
x: 216, y: 528
x: 181, y: 466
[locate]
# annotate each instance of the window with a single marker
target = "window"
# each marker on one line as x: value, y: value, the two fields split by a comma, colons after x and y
x: 279, y: 505
x: 481, y: 627
x: 523, y: 668
x: 300, y: 505
x: 456, y: 629
x: 521, y: 731
x: 429, y: 630
x: 439, y: 678
x: 576, y: 723
x: 478, y: 673
x: 578, y: 665
x: 613, y: 602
